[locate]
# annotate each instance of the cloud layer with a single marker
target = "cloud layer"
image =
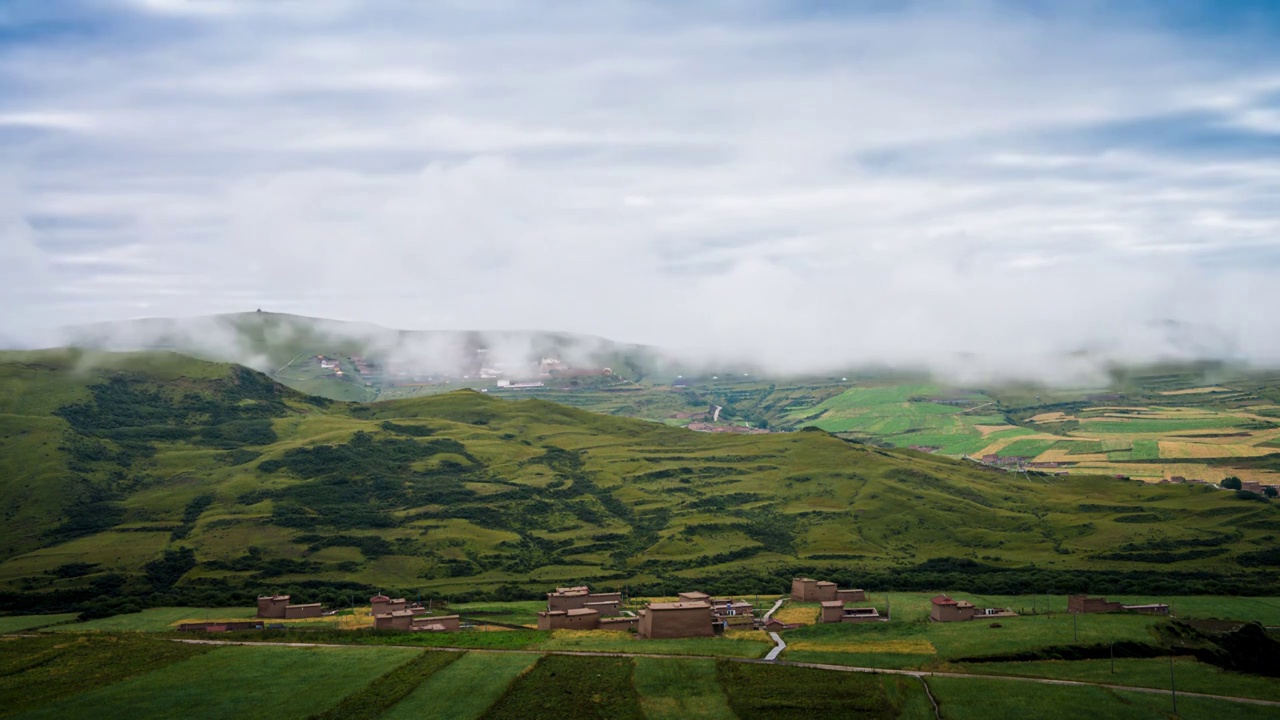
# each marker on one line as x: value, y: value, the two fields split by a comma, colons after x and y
x: 983, y: 191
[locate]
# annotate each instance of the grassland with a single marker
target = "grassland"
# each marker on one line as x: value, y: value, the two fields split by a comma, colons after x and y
x: 676, y: 689
x: 561, y: 686
x: 461, y: 494
x: 464, y: 689
x: 238, y: 682
x: 18, y: 623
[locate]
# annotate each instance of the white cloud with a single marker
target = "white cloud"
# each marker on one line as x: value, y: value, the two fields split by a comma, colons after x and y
x: 912, y: 186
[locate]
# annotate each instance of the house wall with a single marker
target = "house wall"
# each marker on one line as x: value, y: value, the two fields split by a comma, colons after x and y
x: 566, y: 621
x: 676, y: 623
x: 1086, y: 604
x: 832, y: 613
x: 950, y: 613
x: 310, y: 610
x: 804, y: 590
x: 851, y: 595
x: 824, y: 591
x: 269, y: 607
x: 451, y: 623
x: 392, y: 622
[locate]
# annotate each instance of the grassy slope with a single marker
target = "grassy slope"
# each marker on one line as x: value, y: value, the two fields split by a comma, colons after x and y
x: 630, y: 500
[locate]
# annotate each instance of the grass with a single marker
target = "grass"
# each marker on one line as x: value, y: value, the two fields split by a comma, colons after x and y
x: 865, y: 644
x: 747, y: 643
x: 18, y: 623
x: 464, y: 689
x: 676, y: 689
x: 454, y: 534
x: 237, y: 682
x: 1190, y: 675
x: 968, y: 699
x: 763, y: 692
x: 384, y: 692
x: 561, y: 686
x: 38, y: 670
x: 157, y: 619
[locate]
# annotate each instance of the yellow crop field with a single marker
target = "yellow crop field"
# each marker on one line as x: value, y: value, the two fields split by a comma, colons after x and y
x: 1180, y: 449
x: 1197, y: 391
x: 806, y: 615
x: 988, y: 429
x: 915, y: 646
x: 1050, y: 417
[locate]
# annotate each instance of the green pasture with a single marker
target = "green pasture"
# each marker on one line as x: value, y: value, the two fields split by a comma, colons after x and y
x: 162, y: 619
x: 236, y: 682
x: 561, y: 686
x: 464, y: 689
x: 677, y: 689
x: 1189, y: 675
x: 969, y: 699
x: 18, y: 623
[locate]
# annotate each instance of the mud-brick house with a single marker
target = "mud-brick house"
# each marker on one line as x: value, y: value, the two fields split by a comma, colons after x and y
x: 733, y: 612
x: 805, y: 589
x: 947, y: 609
x: 834, y: 611
x: 575, y: 619
x: 383, y: 605
x: 676, y: 620
x: 278, y: 606
x: 1081, y: 604
x: 405, y: 620
x: 577, y: 598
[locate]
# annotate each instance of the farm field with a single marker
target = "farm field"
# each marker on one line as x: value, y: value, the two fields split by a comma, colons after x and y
x: 238, y: 682
x: 18, y: 623
x: 153, y: 676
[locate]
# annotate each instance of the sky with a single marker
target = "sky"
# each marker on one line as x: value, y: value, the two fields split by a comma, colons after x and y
x: 990, y: 188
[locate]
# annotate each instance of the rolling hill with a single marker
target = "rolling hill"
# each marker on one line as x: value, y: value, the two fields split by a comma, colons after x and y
x: 149, y: 474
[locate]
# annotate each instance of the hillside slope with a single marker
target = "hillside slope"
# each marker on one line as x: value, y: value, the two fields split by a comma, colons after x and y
x: 142, y: 473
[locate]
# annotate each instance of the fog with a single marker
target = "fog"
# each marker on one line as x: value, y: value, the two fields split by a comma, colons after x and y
x: 961, y: 191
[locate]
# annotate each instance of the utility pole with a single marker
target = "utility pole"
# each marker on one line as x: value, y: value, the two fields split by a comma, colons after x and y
x: 1173, y: 691
x: 1075, y: 625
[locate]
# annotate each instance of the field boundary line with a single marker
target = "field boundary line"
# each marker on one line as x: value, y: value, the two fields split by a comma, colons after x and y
x: 818, y: 666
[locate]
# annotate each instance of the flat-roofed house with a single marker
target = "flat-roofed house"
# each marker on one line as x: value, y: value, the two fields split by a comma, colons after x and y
x: 576, y: 598
x: 279, y: 607
x: 848, y: 596
x: 834, y: 611
x: 575, y: 619
x: 694, y: 597
x: 1080, y: 604
x: 946, y: 609
x: 305, y: 610
x: 733, y: 612
x: 405, y: 620
x: 272, y: 606
x: 676, y: 620
x: 804, y: 589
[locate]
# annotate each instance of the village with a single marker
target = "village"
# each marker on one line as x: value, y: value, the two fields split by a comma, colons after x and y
x: 693, y: 614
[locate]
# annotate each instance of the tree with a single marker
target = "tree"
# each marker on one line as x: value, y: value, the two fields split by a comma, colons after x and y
x: 1231, y: 483
x: 1270, y: 491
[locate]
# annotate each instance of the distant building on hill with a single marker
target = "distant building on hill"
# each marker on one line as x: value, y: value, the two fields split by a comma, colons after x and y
x: 1081, y: 604
x: 279, y: 607
x: 946, y: 609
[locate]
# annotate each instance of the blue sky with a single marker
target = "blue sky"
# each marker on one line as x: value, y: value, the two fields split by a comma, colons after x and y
x: 978, y: 186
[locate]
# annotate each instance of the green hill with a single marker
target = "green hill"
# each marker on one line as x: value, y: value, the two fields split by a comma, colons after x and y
x: 149, y: 475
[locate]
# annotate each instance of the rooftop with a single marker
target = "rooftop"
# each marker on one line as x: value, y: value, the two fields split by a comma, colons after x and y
x: 680, y: 605
x: 942, y: 600
x: 832, y: 603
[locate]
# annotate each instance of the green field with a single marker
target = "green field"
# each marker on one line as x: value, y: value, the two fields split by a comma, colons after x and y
x: 675, y: 689
x: 464, y: 689
x: 19, y: 623
x: 238, y: 682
